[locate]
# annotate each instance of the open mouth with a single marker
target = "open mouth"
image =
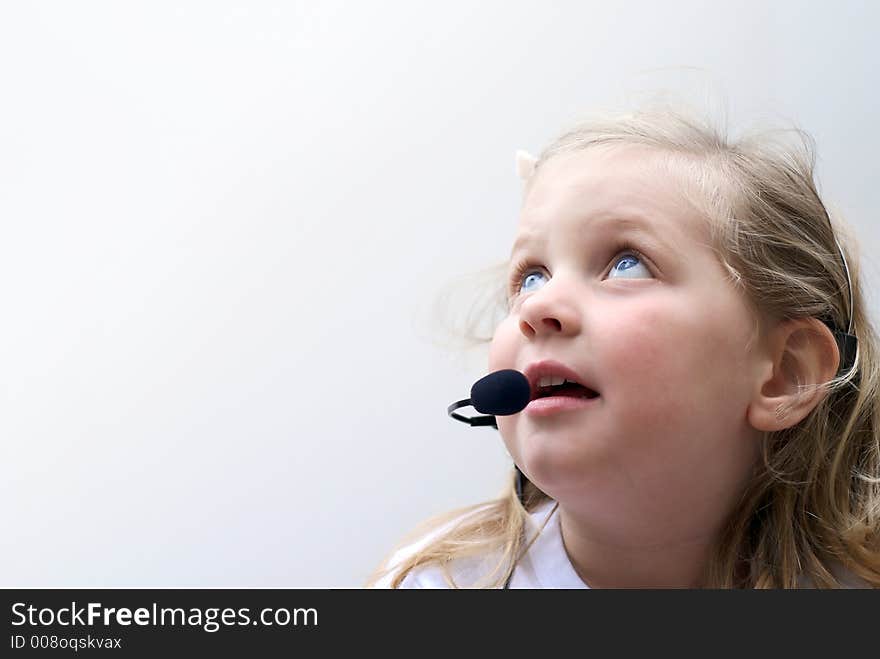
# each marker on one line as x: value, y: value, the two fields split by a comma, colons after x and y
x: 570, y: 389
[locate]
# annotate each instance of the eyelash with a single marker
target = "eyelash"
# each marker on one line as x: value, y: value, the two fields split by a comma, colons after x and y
x: 525, y: 266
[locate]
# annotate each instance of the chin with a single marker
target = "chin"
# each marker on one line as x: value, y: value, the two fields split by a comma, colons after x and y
x: 551, y: 474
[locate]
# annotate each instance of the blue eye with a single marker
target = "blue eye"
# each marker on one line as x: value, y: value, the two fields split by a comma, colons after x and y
x: 527, y: 275
x: 630, y: 261
x: 530, y: 277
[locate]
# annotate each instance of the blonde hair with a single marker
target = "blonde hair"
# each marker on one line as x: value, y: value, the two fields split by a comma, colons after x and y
x: 813, y: 502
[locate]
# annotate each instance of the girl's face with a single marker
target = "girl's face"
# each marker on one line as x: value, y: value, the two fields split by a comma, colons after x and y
x: 622, y: 287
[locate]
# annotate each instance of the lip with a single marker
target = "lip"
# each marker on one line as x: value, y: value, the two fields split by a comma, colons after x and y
x: 548, y: 405
x: 536, y: 370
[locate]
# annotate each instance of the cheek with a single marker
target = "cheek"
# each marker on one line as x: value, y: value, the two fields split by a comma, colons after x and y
x: 640, y: 346
x: 502, y: 348
x: 676, y: 363
x: 642, y: 373
x: 503, y: 353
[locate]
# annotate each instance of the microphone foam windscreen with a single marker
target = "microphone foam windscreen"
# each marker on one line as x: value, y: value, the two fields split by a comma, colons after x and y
x: 501, y: 393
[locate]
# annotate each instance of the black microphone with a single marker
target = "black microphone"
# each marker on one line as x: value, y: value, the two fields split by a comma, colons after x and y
x: 498, y: 394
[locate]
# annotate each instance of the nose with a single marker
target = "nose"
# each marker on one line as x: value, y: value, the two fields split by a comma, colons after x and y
x: 550, y: 310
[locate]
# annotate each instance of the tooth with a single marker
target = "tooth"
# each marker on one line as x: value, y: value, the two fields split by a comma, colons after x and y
x: 550, y: 380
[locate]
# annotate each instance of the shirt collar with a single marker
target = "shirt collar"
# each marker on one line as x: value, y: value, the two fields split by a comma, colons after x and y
x: 546, y: 563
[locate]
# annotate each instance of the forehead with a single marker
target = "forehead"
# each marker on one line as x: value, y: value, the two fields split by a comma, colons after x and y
x: 631, y: 182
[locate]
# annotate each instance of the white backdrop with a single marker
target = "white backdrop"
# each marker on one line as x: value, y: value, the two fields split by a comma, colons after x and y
x: 225, y: 227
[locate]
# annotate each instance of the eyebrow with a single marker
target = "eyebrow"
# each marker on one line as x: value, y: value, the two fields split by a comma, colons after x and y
x: 628, y: 224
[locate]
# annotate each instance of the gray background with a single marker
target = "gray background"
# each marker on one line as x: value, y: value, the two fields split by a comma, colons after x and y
x: 227, y: 229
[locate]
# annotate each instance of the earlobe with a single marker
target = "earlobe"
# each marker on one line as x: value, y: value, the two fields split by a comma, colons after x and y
x: 801, y: 357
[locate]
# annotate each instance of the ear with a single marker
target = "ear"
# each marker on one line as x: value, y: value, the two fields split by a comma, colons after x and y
x: 800, y: 354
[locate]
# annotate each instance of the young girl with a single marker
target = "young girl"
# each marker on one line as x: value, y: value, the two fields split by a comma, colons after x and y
x: 721, y: 431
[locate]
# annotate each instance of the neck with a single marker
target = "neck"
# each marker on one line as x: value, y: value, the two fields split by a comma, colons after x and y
x: 659, y: 560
